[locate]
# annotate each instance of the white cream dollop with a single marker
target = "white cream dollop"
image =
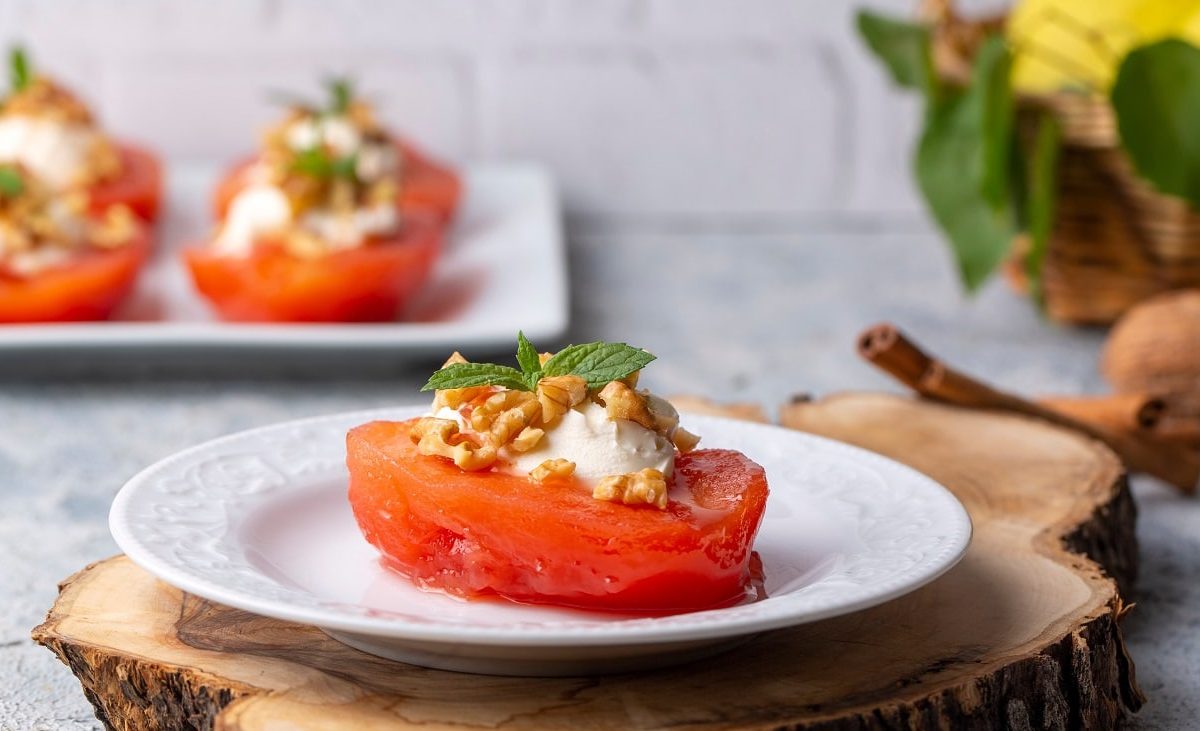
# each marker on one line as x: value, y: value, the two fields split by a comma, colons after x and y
x: 255, y: 211
x: 27, y: 262
x: 599, y: 446
x: 348, y: 230
x: 335, y: 132
x: 55, y: 151
x: 263, y: 208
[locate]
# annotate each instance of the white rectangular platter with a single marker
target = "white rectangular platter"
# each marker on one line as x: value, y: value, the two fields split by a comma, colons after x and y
x: 503, y: 269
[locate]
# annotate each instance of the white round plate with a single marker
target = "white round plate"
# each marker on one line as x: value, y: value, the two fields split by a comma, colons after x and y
x: 259, y: 521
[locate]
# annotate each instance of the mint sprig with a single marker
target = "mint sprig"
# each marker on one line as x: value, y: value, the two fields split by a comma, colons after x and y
x: 11, y: 182
x: 467, y: 375
x: 317, y: 163
x: 19, y: 73
x: 341, y: 94
x: 596, y: 363
x: 529, y: 360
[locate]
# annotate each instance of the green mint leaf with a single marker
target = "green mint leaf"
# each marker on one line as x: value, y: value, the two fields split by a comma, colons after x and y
x: 18, y: 68
x: 953, y: 162
x: 597, y: 363
x: 466, y: 375
x: 1156, y: 98
x: 904, y: 48
x: 11, y: 182
x: 341, y: 94
x: 345, y: 167
x: 1043, y: 184
x: 993, y: 77
x: 527, y: 358
x: 314, y: 162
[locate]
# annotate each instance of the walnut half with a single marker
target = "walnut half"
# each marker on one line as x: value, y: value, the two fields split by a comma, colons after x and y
x: 647, y: 487
x: 622, y: 402
x: 440, y: 437
x: 552, y: 469
x: 556, y: 394
x: 452, y: 398
x: 506, y: 414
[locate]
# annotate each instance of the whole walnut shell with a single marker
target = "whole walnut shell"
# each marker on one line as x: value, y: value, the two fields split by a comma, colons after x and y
x: 1155, y: 348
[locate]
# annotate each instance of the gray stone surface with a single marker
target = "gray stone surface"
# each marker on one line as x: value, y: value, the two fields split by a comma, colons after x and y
x: 750, y: 317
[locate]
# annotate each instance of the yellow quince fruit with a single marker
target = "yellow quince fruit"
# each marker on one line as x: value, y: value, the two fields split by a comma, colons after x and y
x: 1078, y: 44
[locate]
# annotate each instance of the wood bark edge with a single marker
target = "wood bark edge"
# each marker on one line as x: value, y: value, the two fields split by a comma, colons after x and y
x: 1081, y: 678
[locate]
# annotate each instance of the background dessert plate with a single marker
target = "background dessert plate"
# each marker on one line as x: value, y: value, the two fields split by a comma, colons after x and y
x: 506, y: 239
x: 259, y: 520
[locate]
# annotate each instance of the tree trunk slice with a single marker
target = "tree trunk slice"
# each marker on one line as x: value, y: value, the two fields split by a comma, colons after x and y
x: 1024, y: 633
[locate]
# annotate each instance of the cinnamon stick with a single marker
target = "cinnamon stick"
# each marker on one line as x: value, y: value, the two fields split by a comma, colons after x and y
x: 1121, y: 412
x: 1180, y: 429
x: 886, y: 347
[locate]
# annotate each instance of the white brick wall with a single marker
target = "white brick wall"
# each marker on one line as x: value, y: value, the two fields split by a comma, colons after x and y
x: 725, y: 111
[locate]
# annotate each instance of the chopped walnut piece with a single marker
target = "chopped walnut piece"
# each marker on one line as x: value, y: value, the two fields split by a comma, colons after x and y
x: 505, y: 413
x: 102, y: 162
x: 527, y: 439
x: 452, y: 398
x: 622, y: 402
x: 556, y: 394
x: 485, y: 413
x: 636, y: 488
x: 685, y: 441
x: 666, y: 418
x: 552, y: 469
x: 440, y: 437
x: 43, y: 97
x: 114, y: 230
x: 632, y: 379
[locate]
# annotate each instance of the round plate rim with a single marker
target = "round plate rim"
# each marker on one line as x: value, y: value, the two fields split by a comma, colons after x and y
x: 615, y: 634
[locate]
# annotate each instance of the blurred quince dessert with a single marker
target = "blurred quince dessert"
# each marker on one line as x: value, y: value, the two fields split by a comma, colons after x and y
x: 318, y: 226
x: 53, y: 135
x: 60, y: 259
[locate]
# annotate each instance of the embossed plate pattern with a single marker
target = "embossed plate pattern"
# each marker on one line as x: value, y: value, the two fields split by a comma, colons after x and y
x: 259, y: 521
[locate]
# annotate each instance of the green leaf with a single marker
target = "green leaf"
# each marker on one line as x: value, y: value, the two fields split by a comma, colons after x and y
x: 344, y: 167
x: 956, y: 166
x: 18, y: 69
x: 312, y: 162
x: 992, y: 80
x: 341, y: 94
x: 1043, y: 187
x: 527, y: 358
x: 317, y: 163
x: 903, y: 48
x: 1156, y: 98
x: 597, y: 363
x: 11, y: 182
x: 466, y: 375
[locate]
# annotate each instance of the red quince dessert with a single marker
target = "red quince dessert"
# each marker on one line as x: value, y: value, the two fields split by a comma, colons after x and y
x: 51, y: 133
x: 347, y: 129
x: 60, y: 260
x: 316, y: 228
x: 559, y: 483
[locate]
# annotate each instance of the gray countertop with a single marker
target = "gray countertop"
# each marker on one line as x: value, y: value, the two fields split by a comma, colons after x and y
x: 739, y: 317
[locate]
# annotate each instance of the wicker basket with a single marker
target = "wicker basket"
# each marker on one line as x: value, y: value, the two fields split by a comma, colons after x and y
x: 1115, y: 241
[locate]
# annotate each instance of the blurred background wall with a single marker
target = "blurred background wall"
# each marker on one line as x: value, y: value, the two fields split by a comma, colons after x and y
x: 721, y: 113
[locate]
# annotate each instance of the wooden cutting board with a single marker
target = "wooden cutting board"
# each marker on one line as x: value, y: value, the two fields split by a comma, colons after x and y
x: 1024, y: 633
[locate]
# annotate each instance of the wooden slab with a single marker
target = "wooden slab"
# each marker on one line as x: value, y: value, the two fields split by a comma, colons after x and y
x: 1024, y: 633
